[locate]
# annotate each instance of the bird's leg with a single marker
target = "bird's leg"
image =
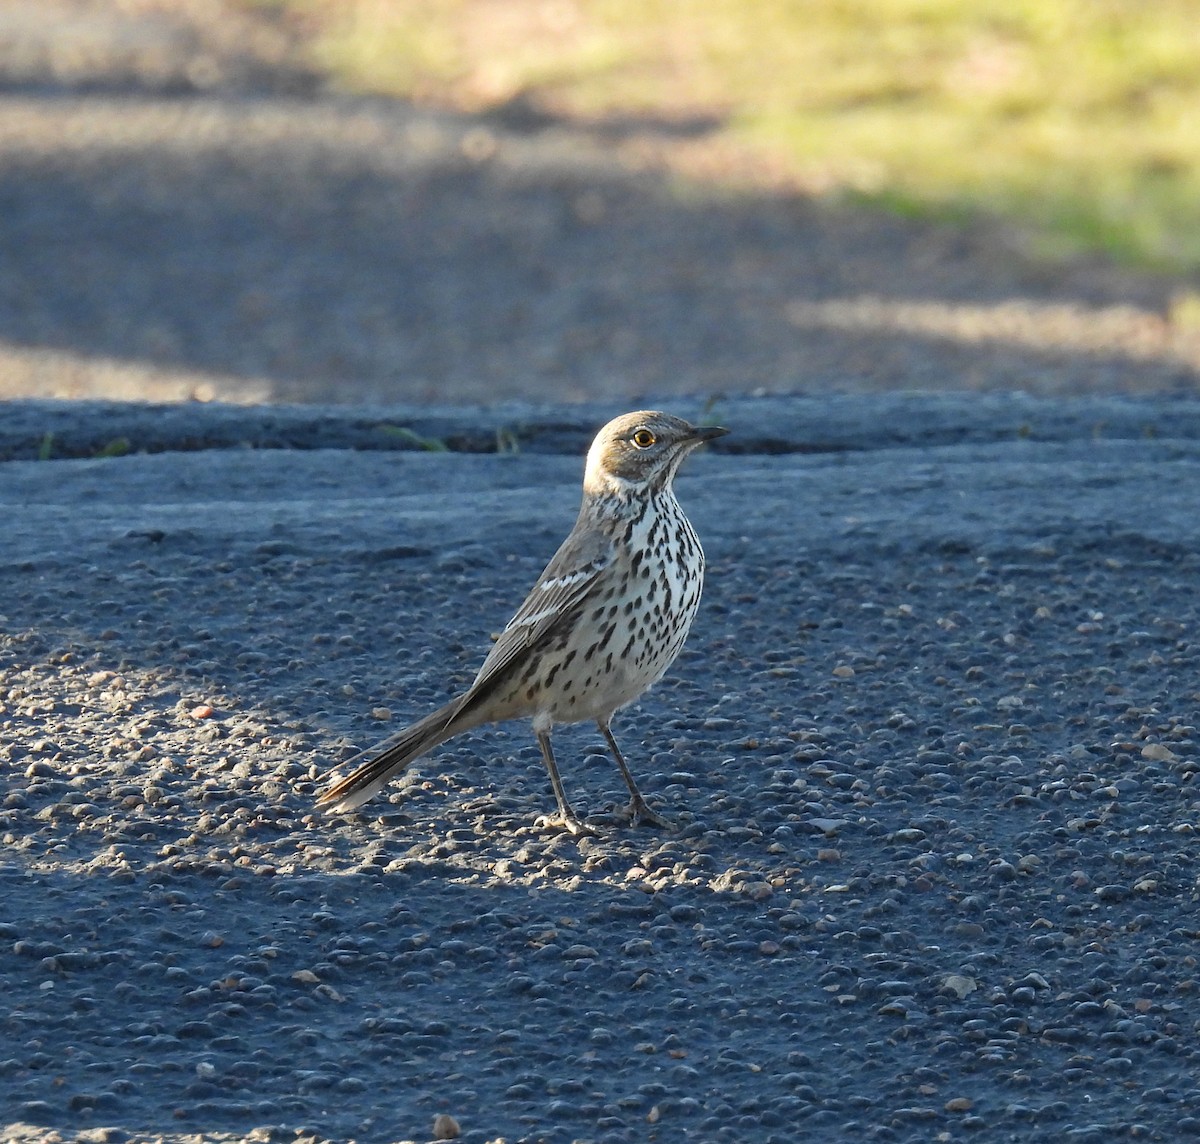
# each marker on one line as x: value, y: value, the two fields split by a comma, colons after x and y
x: 567, y: 817
x: 638, y: 811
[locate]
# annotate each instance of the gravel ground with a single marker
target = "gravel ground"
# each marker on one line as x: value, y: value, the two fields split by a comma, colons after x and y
x: 931, y: 749
x: 188, y: 211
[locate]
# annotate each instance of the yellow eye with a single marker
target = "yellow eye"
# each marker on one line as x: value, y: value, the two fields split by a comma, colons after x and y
x: 643, y: 438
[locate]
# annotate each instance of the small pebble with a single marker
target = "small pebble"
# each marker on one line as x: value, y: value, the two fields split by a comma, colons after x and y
x: 445, y: 1127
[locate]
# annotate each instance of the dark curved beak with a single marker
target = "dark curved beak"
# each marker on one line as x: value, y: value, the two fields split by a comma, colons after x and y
x: 708, y: 433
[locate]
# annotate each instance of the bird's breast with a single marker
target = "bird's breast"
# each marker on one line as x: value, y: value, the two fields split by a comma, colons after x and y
x: 633, y: 624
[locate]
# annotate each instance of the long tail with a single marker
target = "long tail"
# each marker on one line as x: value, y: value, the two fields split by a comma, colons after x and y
x: 378, y: 765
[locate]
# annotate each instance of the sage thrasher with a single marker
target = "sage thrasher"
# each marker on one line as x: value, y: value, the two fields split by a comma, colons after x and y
x: 606, y: 618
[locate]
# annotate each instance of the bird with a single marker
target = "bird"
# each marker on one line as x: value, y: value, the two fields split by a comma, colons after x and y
x: 604, y: 621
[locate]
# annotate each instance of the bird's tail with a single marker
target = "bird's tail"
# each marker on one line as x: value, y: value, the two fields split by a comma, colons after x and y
x: 378, y: 765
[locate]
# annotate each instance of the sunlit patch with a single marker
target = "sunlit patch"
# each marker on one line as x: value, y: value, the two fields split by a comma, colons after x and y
x: 1104, y: 331
x: 30, y: 372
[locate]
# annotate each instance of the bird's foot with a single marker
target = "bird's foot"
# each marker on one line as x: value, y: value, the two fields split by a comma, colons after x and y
x: 638, y: 812
x: 569, y: 822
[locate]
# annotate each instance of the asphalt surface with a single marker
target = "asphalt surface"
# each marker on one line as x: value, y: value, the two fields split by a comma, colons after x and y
x: 931, y: 753
x: 931, y: 750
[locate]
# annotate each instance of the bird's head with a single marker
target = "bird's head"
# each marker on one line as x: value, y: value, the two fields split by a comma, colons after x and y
x: 641, y: 451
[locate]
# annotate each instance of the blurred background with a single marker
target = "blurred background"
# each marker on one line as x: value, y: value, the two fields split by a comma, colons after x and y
x: 469, y: 200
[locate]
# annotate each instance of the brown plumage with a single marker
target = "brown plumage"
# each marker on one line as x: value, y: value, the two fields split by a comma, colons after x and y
x: 603, y: 623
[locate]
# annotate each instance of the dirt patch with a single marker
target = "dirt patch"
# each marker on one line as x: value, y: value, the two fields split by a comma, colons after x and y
x: 189, y: 213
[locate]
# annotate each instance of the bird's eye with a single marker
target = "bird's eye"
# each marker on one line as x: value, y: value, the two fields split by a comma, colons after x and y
x: 643, y: 438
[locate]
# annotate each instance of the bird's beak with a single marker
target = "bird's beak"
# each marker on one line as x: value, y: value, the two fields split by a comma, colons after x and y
x: 708, y: 433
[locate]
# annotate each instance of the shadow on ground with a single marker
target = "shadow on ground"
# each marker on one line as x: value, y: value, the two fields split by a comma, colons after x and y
x: 931, y: 751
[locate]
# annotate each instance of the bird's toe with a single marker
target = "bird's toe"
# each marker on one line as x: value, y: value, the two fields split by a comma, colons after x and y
x: 570, y: 823
x: 639, y: 812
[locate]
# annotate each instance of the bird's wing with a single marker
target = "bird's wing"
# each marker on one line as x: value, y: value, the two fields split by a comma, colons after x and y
x: 567, y: 580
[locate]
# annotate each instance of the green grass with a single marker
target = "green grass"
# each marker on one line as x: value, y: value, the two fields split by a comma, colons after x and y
x: 411, y: 437
x: 1078, y: 119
